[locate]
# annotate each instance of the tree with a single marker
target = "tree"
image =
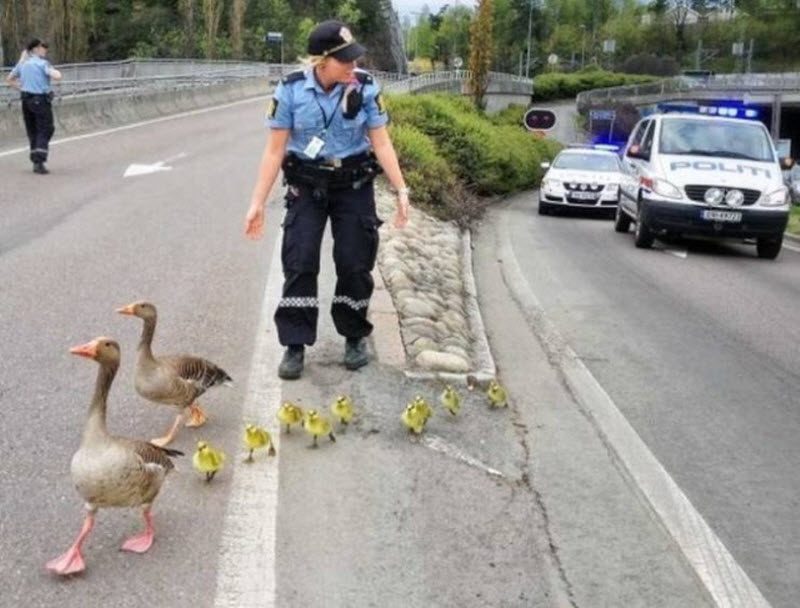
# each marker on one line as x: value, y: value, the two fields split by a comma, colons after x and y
x: 186, y: 9
x: 480, y: 56
x: 237, y: 23
x: 212, y: 14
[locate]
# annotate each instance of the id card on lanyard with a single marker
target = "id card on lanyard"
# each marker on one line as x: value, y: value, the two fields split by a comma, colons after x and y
x: 317, y: 142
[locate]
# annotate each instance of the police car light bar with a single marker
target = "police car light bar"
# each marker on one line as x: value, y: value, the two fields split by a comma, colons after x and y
x: 728, y: 111
x: 609, y: 147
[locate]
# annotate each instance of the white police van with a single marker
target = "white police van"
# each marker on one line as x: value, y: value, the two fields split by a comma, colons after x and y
x: 705, y: 173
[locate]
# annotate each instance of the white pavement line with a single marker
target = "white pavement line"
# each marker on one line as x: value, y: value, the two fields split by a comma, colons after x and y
x: 246, y: 567
x: 726, y: 582
x: 136, y: 125
x: 791, y: 248
x: 437, y: 444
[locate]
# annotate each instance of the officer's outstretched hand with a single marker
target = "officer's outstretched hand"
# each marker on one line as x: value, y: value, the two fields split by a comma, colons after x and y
x: 401, y: 214
x: 254, y: 222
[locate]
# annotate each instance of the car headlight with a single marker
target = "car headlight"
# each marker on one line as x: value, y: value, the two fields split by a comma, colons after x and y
x: 663, y: 188
x: 552, y: 185
x: 777, y: 198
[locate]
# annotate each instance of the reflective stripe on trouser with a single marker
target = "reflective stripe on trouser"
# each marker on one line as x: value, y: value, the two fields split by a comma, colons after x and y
x: 354, y: 225
x: 37, y: 113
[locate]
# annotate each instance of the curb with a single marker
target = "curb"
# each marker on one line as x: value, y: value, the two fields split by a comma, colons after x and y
x: 792, y: 238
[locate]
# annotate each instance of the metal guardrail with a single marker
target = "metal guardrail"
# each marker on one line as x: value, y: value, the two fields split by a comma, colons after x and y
x: 753, y: 83
x: 134, y: 76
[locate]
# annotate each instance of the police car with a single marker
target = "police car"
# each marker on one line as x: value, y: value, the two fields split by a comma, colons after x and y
x: 585, y: 177
x: 704, y: 171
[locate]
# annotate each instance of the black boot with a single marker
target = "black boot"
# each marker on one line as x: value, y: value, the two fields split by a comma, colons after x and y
x: 355, y: 353
x: 292, y: 363
x: 40, y: 168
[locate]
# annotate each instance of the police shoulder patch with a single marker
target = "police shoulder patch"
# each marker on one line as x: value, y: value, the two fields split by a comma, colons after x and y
x: 272, y: 108
x: 364, y: 77
x: 293, y: 77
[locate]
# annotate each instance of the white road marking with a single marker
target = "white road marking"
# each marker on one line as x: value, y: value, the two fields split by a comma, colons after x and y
x: 791, y: 248
x: 135, y: 125
x: 727, y: 583
x: 246, y: 567
x: 134, y: 169
x: 678, y: 253
x: 438, y: 444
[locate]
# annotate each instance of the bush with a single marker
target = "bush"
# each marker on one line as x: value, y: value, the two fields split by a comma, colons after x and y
x: 564, y: 86
x: 510, y: 116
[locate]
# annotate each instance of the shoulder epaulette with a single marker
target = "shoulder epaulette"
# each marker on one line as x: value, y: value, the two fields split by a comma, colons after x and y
x: 293, y: 77
x: 364, y: 77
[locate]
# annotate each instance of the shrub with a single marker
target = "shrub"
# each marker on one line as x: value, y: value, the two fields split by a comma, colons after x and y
x: 562, y: 86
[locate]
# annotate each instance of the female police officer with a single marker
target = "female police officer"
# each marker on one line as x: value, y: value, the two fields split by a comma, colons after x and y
x: 328, y: 117
x: 32, y: 76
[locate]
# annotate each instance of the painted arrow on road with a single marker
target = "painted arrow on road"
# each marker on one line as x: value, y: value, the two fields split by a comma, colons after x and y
x: 139, y: 169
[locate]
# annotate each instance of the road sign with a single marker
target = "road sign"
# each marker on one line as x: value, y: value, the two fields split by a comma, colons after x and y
x: 609, y: 46
x: 274, y: 36
x: 552, y: 59
x: 539, y: 120
x: 458, y: 62
x: 602, y: 114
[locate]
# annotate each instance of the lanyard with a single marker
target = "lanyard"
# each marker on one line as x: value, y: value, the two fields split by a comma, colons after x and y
x: 327, y: 121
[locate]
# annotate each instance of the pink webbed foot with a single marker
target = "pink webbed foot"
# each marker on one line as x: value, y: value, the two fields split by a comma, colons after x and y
x: 70, y: 562
x: 139, y: 543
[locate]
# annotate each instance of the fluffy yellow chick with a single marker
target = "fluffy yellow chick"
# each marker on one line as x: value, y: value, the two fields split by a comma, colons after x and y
x: 256, y: 437
x: 289, y: 414
x: 450, y: 400
x: 208, y: 460
x: 342, y: 409
x: 497, y: 395
x: 317, y: 426
x: 424, y: 408
x: 414, y: 418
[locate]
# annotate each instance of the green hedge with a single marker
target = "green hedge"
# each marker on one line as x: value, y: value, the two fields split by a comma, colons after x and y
x: 564, y: 86
x: 492, y: 158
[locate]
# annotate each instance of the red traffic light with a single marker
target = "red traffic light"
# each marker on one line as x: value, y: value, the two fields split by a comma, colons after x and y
x: 539, y: 120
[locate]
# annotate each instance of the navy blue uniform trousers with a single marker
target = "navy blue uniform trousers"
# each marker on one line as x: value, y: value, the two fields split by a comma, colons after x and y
x: 37, y: 113
x: 354, y: 224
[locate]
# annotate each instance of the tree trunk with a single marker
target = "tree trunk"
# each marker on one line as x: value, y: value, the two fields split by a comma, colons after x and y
x: 212, y: 13
x: 186, y: 8
x: 237, y: 22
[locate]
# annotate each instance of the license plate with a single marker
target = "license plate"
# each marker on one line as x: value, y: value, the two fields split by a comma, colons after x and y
x: 584, y: 196
x: 722, y: 216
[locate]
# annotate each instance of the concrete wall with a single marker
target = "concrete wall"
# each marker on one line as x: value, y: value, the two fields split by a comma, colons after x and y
x: 75, y: 115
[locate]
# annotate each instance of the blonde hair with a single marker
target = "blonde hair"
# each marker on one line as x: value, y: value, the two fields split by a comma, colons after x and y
x: 313, y: 61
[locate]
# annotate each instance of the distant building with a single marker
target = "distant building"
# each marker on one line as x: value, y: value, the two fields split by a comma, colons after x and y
x: 682, y: 13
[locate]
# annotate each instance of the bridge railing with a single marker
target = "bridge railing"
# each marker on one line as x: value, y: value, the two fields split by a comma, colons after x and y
x: 754, y: 83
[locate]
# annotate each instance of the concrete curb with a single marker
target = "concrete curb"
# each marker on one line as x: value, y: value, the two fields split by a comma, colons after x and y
x: 794, y: 239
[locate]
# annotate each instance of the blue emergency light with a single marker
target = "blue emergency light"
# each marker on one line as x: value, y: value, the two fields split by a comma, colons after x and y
x: 726, y: 110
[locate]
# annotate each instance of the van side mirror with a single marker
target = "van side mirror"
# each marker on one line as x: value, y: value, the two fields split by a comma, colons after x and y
x: 544, y: 165
x: 787, y: 162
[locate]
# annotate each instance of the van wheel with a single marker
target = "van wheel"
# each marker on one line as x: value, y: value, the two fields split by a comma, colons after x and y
x: 643, y: 237
x: 769, y: 247
x: 622, y: 222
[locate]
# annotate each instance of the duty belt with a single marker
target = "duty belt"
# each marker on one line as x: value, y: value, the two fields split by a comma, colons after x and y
x: 347, y: 173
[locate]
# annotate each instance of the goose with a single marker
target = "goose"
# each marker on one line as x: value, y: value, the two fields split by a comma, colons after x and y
x: 110, y: 471
x: 174, y: 380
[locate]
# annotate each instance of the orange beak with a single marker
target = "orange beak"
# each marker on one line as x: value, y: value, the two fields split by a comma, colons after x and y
x: 88, y: 350
x: 126, y: 310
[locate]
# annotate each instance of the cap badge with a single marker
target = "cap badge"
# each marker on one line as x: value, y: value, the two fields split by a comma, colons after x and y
x: 345, y: 35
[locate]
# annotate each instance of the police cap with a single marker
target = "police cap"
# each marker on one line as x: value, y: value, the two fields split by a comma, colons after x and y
x: 333, y: 39
x: 34, y: 42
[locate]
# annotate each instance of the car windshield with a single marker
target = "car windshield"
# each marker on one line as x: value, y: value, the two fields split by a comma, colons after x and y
x: 747, y: 140
x: 586, y: 162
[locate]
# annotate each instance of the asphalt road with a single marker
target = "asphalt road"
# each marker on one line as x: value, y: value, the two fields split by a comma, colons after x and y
x: 696, y: 343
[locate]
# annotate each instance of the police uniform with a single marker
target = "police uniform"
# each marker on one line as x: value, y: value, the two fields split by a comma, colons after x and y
x: 37, y: 111
x: 329, y: 171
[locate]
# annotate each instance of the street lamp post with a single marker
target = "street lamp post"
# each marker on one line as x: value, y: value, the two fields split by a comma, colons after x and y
x: 530, y: 22
x: 583, y: 44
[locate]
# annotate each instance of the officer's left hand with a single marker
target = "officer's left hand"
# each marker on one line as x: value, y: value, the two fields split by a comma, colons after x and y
x: 254, y: 222
x: 401, y: 215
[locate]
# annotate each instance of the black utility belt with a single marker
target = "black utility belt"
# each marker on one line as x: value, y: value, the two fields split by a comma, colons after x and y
x: 26, y: 95
x: 351, y: 172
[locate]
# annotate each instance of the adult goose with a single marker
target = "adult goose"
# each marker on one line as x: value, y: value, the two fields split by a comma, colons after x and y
x: 111, y: 471
x: 175, y: 380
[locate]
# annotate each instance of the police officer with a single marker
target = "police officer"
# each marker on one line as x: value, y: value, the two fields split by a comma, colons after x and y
x: 328, y: 133
x: 32, y: 77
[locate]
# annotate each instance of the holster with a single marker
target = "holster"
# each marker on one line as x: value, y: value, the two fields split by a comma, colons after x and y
x: 350, y: 173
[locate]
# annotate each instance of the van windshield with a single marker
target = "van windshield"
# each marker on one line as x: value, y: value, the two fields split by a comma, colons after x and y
x: 748, y: 140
